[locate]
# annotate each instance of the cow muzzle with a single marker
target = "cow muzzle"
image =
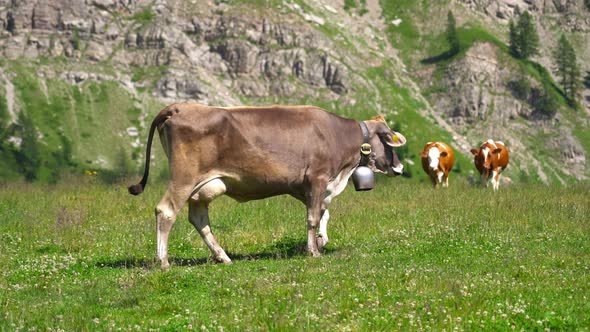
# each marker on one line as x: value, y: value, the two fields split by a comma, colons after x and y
x: 397, y: 170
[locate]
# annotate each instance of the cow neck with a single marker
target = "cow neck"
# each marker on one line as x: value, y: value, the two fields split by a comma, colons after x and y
x: 365, y: 145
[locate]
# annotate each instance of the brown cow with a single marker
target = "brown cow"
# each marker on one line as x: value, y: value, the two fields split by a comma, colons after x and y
x: 437, y: 161
x: 252, y: 153
x: 490, y: 160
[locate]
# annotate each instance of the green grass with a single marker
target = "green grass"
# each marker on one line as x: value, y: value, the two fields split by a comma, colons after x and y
x: 148, y: 73
x: 144, y: 17
x: 401, y: 257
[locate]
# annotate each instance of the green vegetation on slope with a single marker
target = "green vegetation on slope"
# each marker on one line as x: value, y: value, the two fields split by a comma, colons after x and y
x: 67, y: 128
x: 402, y: 257
x: 435, y: 49
x: 422, y: 46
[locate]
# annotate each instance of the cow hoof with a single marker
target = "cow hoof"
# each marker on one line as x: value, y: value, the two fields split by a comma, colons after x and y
x: 222, y: 260
x: 321, y: 241
x: 165, y: 266
x: 314, y: 253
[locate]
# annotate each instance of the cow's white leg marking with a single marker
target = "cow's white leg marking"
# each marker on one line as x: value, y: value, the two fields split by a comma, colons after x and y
x: 199, y: 216
x: 439, y: 177
x: 323, y: 233
x: 314, y: 201
x: 334, y: 188
x: 446, y: 181
x: 495, y: 179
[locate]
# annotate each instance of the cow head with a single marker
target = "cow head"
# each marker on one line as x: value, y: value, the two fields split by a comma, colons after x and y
x: 383, y: 158
x: 433, y: 155
x: 482, y: 157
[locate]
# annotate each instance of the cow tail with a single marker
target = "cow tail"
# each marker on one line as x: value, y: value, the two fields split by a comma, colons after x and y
x: 137, y: 189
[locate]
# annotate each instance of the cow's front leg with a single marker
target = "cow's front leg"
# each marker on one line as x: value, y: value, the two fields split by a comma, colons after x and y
x: 314, y: 211
x: 495, y: 180
x: 484, y: 179
x: 440, y: 178
x: 322, y: 238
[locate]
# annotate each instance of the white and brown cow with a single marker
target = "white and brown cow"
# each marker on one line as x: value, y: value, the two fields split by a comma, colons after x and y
x: 252, y: 153
x: 437, y: 161
x: 490, y: 160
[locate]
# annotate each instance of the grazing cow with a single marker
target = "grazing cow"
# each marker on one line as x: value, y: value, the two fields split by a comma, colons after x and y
x: 490, y: 160
x: 437, y: 161
x: 252, y: 153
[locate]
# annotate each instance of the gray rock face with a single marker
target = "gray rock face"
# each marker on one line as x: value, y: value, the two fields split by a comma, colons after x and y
x: 570, y: 15
x: 477, y: 90
x: 181, y: 88
x: 261, y: 55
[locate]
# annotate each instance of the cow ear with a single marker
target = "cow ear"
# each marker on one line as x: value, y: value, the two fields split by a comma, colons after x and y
x: 475, y: 152
x: 392, y: 138
x: 498, y: 150
x: 443, y: 154
x: 423, y: 154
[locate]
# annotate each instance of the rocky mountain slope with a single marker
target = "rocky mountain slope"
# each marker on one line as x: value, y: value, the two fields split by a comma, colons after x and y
x: 80, y: 80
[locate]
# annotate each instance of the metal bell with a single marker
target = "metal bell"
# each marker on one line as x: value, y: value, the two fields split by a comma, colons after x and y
x: 363, y: 178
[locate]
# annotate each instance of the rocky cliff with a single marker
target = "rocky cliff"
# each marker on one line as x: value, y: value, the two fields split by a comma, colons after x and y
x: 212, y: 54
x: 235, y: 52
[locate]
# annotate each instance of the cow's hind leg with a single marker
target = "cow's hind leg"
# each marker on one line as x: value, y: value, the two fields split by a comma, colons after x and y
x: 166, y: 212
x: 199, y: 217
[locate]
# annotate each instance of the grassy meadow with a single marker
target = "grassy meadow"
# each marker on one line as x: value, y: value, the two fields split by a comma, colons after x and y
x: 80, y: 257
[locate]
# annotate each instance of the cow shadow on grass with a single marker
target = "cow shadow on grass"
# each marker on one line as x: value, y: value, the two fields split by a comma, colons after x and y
x: 284, y: 248
x: 149, y: 263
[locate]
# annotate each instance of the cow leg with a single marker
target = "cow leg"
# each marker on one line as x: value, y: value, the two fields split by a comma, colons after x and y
x: 314, y: 201
x: 446, y: 180
x: 333, y: 189
x: 166, y: 212
x: 495, y: 180
x: 322, y: 238
x: 432, y: 177
x: 439, y: 178
x: 484, y: 179
x: 199, y: 217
